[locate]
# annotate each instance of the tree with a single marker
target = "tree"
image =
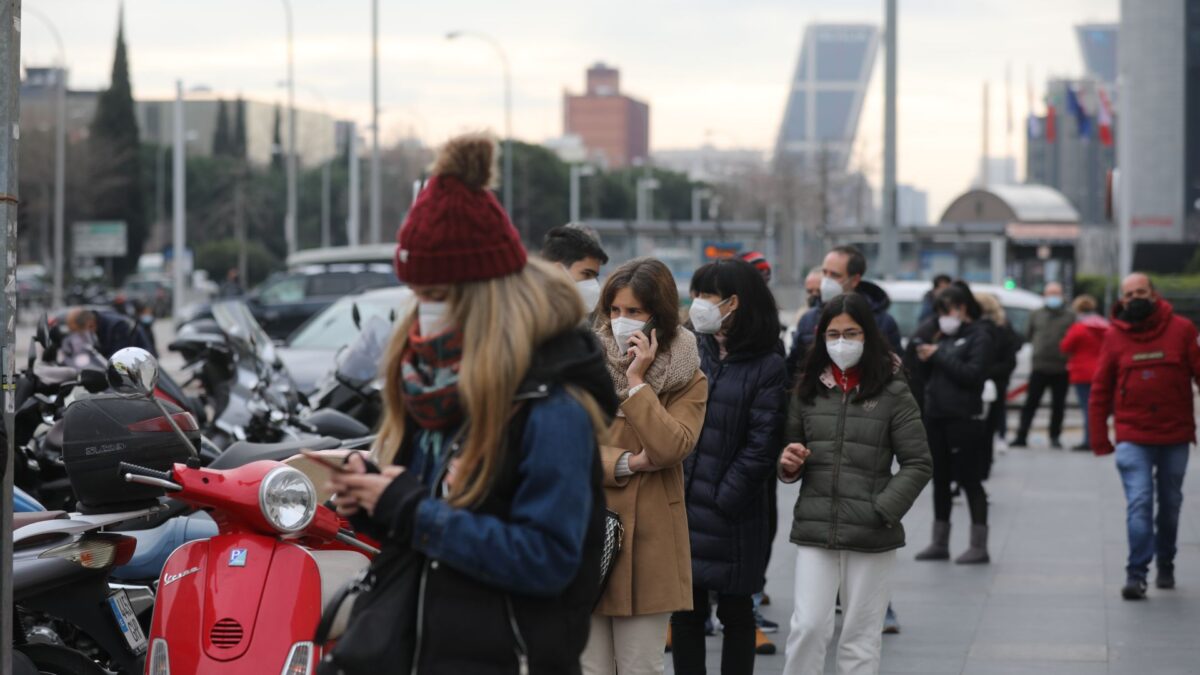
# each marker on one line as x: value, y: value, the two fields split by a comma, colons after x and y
x: 277, y: 141
x: 115, y: 158
x: 223, y: 144
x: 239, y: 128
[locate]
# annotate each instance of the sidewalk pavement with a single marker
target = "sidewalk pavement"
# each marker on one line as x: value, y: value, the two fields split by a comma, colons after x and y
x: 1049, y: 602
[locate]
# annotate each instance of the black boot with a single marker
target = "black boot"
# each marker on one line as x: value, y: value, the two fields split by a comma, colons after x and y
x: 939, y: 548
x: 1166, y: 577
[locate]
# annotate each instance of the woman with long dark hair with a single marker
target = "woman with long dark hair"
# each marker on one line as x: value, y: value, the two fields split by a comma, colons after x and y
x: 725, y: 479
x: 850, y: 417
x: 956, y: 365
x: 655, y: 365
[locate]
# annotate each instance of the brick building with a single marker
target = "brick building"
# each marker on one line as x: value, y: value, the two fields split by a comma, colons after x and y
x: 615, y: 128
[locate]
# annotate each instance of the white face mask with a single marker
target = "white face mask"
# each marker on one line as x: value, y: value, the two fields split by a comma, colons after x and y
x: 622, y: 329
x: 432, y: 317
x: 830, y: 289
x: 590, y: 290
x: 706, y: 317
x: 844, y: 353
x: 949, y: 324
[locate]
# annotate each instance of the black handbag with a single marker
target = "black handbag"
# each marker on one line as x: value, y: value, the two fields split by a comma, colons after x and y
x: 379, y: 613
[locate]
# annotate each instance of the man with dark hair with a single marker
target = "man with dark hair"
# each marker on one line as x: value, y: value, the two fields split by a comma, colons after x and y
x: 842, y: 272
x: 939, y: 282
x: 575, y: 248
x: 113, y: 331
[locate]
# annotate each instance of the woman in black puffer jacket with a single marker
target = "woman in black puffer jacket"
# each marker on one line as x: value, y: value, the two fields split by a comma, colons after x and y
x: 728, y: 505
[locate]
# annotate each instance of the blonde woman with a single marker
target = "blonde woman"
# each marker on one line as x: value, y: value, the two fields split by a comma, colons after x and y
x: 493, y: 403
x: 1006, y: 342
x: 655, y: 366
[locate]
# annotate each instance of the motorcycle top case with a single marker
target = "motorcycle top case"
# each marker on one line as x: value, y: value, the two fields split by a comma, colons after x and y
x: 103, y: 430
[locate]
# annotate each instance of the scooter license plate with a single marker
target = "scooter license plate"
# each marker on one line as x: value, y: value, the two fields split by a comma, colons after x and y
x: 127, y: 621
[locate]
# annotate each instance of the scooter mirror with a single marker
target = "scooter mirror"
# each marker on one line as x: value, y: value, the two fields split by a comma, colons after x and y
x: 356, y: 316
x: 134, y: 368
x: 42, y: 335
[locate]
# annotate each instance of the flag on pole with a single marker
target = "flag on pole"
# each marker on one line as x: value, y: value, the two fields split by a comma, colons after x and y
x: 1081, y: 117
x: 1104, y: 116
x: 1051, y: 122
x: 1035, y: 127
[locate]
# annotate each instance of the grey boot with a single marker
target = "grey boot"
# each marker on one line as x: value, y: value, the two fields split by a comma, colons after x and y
x: 939, y: 548
x: 977, y: 553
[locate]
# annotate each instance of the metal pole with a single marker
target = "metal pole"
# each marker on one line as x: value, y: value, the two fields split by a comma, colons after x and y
x: 1124, y: 177
x: 60, y: 154
x: 376, y: 205
x: 290, y: 219
x: 10, y: 107
x: 573, y: 217
x: 889, y: 253
x: 325, y: 187
x: 179, y: 192
x: 353, y: 206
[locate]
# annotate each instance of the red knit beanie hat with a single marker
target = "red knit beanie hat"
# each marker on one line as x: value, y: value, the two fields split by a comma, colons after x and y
x: 456, y: 230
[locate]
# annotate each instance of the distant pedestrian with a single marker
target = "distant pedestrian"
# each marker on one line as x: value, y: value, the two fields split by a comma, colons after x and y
x: 1147, y: 365
x: 232, y: 286
x: 728, y: 502
x: 1047, y: 327
x: 1006, y: 342
x: 955, y: 369
x: 760, y: 263
x: 1082, y: 345
x: 577, y: 250
x: 927, y: 310
x: 851, y: 417
x: 812, y: 289
x: 655, y: 365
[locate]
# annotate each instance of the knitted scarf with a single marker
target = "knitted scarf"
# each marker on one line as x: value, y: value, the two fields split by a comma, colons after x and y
x: 670, y: 371
x: 430, y: 379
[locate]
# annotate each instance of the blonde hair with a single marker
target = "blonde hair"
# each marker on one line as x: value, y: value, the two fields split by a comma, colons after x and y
x: 992, y: 309
x: 503, y: 321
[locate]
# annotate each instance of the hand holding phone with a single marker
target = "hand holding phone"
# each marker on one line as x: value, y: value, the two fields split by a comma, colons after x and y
x: 342, y: 466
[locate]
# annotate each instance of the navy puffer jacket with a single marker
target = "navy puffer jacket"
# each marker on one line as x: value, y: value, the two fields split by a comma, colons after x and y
x: 725, y: 477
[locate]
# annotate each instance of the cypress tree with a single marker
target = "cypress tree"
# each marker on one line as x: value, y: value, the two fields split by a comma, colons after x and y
x: 277, y: 142
x: 239, y: 128
x: 115, y: 158
x: 222, y: 139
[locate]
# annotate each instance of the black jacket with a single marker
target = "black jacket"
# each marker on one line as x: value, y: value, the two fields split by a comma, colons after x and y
x: 917, y: 371
x: 549, y: 632
x: 956, y: 373
x: 1006, y: 343
x: 725, y: 477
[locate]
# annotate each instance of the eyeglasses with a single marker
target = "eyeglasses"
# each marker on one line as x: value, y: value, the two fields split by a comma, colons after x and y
x: 852, y: 334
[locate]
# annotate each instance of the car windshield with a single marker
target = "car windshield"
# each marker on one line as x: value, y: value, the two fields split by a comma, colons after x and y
x: 907, y: 312
x: 334, y: 327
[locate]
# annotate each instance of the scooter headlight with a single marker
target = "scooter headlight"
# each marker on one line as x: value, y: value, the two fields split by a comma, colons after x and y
x: 288, y: 499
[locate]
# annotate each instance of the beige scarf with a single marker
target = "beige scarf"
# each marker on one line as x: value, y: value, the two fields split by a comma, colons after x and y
x: 670, y: 371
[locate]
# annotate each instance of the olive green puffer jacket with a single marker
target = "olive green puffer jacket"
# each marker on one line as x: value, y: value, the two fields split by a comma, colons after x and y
x: 849, y: 498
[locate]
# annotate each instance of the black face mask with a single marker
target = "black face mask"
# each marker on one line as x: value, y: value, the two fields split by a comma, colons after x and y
x: 814, y: 300
x: 1137, y: 310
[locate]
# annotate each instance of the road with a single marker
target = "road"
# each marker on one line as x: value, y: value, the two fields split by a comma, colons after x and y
x: 1049, y: 601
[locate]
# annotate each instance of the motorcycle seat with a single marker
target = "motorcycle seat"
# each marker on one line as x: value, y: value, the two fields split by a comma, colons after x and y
x: 244, y: 452
x: 21, y: 519
x: 54, y: 376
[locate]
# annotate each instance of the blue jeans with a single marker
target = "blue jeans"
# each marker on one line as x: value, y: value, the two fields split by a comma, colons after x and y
x: 1142, y: 467
x: 1083, y: 392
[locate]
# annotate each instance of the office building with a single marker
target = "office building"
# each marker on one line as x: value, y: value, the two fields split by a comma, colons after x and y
x: 912, y: 206
x: 1159, y: 67
x: 615, y: 128
x: 1071, y: 149
x: 709, y: 164
x: 1098, y: 47
x: 826, y: 94
x: 38, y: 100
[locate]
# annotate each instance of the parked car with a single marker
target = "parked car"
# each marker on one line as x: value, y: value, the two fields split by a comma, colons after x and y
x: 149, y: 289
x: 310, y: 351
x: 283, y: 302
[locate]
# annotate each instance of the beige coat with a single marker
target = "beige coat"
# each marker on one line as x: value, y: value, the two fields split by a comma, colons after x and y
x: 653, y: 572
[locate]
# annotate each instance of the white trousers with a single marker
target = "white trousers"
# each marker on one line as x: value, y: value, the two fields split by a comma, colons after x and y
x: 865, y: 581
x: 626, y: 645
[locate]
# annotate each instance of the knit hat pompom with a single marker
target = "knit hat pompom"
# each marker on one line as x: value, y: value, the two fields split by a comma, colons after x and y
x: 471, y: 159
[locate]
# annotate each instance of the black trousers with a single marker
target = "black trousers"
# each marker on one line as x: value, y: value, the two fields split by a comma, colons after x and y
x: 736, y: 613
x: 959, y: 455
x: 1059, y: 384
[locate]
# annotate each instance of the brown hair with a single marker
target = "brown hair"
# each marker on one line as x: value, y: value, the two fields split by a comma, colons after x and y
x: 1084, y: 303
x: 652, y: 284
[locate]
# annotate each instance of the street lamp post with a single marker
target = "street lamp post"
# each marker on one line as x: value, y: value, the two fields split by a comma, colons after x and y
x: 290, y: 219
x: 60, y: 155
x: 375, y: 220
x: 645, y: 207
x: 577, y: 171
x: 326, y: 179
x: 508, y: 159
x: 180, y: 205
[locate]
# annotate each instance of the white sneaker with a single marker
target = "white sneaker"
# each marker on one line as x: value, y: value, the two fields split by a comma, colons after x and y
x: 1001, y: 445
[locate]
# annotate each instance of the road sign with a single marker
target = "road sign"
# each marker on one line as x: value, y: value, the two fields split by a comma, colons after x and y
x: 100, y: 239
x: 715, y: 250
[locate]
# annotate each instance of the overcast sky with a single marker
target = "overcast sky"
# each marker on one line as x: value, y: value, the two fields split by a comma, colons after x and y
x: 715, y: 70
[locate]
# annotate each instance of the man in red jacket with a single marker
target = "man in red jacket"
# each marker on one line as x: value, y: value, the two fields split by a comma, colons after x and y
x: 1144, y: 380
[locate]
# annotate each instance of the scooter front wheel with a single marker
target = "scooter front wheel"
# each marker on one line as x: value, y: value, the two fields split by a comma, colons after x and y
x: 57, y: 660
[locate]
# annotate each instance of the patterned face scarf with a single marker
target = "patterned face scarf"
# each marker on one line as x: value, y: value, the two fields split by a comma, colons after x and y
x: 430, y: 370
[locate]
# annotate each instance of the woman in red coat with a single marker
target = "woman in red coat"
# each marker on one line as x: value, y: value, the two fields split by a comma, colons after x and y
x: 1082, y: 345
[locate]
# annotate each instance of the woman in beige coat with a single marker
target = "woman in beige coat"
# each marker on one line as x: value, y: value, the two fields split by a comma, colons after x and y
x: 655, y: 366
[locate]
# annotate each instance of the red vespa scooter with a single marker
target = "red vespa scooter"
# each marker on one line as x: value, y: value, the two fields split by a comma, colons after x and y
x: 248, y: 600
